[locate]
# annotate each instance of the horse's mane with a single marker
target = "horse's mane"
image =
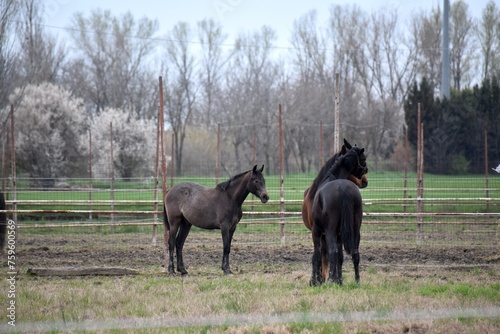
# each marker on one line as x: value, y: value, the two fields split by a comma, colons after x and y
x: 224, y: 185
x: 340, y: 162
x: 323, y: 173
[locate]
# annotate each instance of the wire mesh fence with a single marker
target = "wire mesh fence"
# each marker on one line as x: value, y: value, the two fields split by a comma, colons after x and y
x: 457, y: 210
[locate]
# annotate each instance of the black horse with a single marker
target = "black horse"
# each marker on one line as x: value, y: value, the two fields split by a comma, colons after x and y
x: 189, y: 203
x: 337, y: 215
x: 358, y: 177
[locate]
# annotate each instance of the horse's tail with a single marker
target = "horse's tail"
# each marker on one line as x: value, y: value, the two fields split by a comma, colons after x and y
x: 347, y: 223
x: 3, y: 221
x: 165, y: 218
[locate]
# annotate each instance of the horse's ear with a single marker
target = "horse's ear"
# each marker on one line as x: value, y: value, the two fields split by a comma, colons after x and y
x: 346, y: 143
x: 362, y: 151
x: 254, y: 168
x: 262, y: 168
x: 343, y: 150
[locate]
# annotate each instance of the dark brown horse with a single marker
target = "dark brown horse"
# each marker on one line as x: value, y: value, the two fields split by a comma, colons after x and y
x: 358, y: 178
x: 337, y: 215
x: 189, y: 203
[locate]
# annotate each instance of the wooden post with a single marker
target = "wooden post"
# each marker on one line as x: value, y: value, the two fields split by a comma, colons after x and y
x: 336, y: 141
x: 13, y: 164
x: 420, y: 176
x: 166, y: 232
x: 112, y: 181
x: 282, y: 190
x: 486, y: 169
x: 320, y: 145
x: 4, y: 143
x: 90, y: 175
x: 254, y: 149
x: 217, y: 161
x: 406, y: 157
x: 172, y: 162
x: 155, y: 189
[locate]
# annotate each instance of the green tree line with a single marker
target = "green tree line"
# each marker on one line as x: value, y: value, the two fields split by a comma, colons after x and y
x: 457, y: 130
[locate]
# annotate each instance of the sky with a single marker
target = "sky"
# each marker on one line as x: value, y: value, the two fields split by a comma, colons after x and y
x: 235, y: 15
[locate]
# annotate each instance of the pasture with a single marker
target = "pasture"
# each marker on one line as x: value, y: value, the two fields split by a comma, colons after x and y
x: 446, y: 282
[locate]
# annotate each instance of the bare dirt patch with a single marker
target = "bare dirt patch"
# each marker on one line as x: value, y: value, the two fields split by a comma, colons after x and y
x: 49, y: 251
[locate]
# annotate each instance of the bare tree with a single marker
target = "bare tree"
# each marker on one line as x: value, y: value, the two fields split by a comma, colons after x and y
x: 311, y: 93
x: 41, y: 58
x: 348, y: 28
x: 487, y: 32
x: 462, y: 47
x: 110, y: 67
x: 212, y: 62
x: 250, y: 85
x: 180, y: 90
x: 428, y: 28
x: 8, y: 53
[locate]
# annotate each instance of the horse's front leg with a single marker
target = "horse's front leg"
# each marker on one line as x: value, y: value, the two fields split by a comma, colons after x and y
x: 227, y: 236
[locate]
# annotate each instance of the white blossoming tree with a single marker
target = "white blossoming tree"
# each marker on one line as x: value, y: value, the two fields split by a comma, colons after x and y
x: 48, y: 128
x: 134, y: 144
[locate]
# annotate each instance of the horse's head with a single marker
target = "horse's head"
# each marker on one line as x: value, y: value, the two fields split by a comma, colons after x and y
x: 358, y: 175
x: 257, y: 184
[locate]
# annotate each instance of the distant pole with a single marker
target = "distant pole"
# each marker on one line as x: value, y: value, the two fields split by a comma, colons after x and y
x: 336, y: 141
x: 445, y: 56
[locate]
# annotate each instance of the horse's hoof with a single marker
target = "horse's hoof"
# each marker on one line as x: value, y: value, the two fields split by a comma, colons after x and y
x: 228, y: 272
x: 314, y: 282
x: 335, y: 281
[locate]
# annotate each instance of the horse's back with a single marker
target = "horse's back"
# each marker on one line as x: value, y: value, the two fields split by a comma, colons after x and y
x: 194, y: 202
x: 331, y: 194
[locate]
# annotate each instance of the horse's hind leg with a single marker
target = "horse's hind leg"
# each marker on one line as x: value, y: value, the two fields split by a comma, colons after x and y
x: 355, y: 261
x: 316, y: 258
x: 179, y: 245
x: 340, y: 260
x: 171, y: 245
x: 325, y: 260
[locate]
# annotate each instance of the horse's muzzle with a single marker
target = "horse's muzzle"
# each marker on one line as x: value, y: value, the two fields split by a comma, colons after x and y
x: 264, y: 197
x: 364, y: 182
